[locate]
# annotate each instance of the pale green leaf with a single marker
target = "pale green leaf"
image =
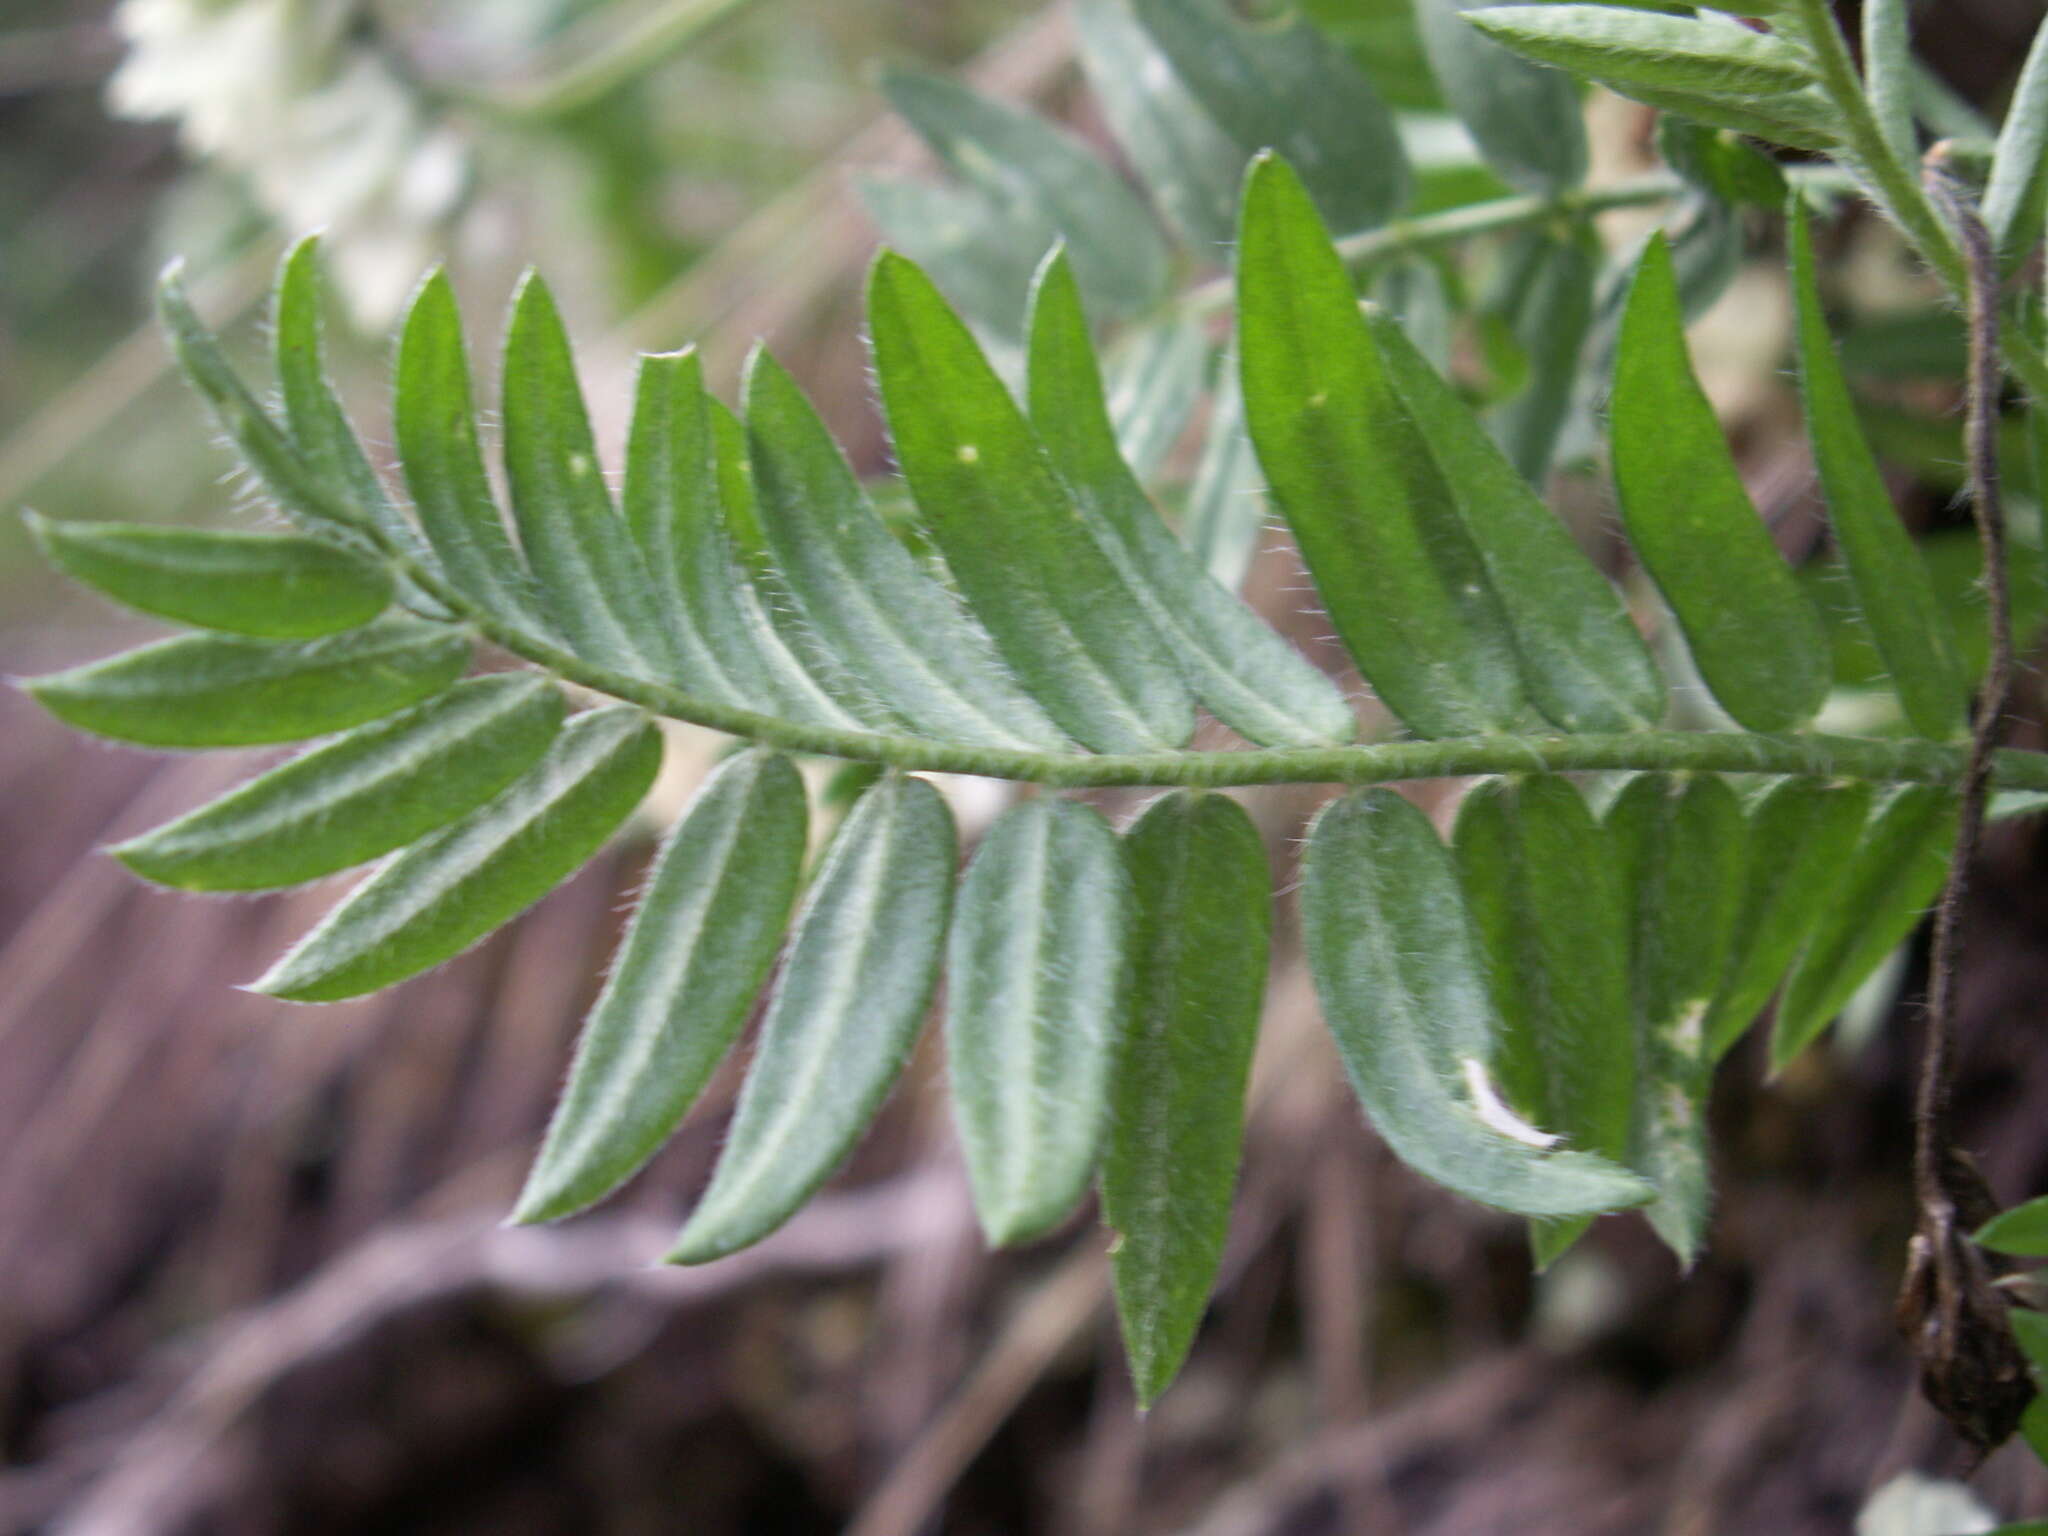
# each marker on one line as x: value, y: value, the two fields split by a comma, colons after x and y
x: 2017, y: 195
x: 1547, y: 303
x: 1036, y: 997
x: 1152, y: 384
x: 266, y: 585
x: 1226, y: 505
x: 699, y: 946
x: 441, y: 895
x: 1203, y: 903
x: 1526, y: 120
x: 842, y: 1018
x: 1888, y: 74
x: 229, y: 691
x: 359, y: 797
x: 1755, y: 638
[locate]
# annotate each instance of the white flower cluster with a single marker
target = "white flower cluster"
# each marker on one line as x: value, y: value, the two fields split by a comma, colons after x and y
x: 326, y: 132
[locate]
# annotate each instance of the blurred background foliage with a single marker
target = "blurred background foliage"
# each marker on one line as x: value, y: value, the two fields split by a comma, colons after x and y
x: 250, y: 1277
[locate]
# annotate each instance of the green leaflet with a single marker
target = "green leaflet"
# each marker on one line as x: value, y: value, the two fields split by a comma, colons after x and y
x: 687, y: 972
x: 1401, y: 581
x: 318, y: 426
x: 1582, y: 659
x: 1250, y: 678
x: 1713, y: 70
x: 1892, y: 587
x: 1202, y: 899
x: 1044, y: 179
x: 2017, y: 194
x: 1888, y: 74
x: 1756, y: 639
x: 2023, y: 1230
x: 228, y: 691
x: 264, y: 585
x: 1191, y: 166
x: 1680, y: 846
x: 1403, y: 983
x: 1548, y: 305
x: 1526, y: 120
x: 1153, y: 384
x: 842, y: 1019
x: 592, y: 583
x: 1008, y: 530
x: 897, y: 635
x: 1036, y: 997
x: 1802, y: 833
x: 433, y: 416
x: 1226, y: 505
x: 982, y: 251
x: 1547, y: 906
x: 357, y: 798
x: 441, y: 895
x: 1290, y: 90
x: 1880, y: 895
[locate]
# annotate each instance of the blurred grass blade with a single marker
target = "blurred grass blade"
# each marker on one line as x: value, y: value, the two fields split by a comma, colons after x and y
x: 1403, y: 984
x: 438, y: 897
x: 1288, y: 88
x: 269, y: 586
x: 1712, y: 69
x: 1398, y: 575
x: 2017, y: 195
x: 1878, y: 898
x: 1203, y: 903
x: 1547, y: 906
x: 1191, y: 166
x: 1251, y: 679
x: 693, y: 958
x: 359, y: 797
x: 1049, y: 180
x: 1582, y: 659
x: 1755, y: 638
x: 842, y: 1019
x: 1888, y: 74
x: 591, y: 581
x: 1153, y: 384
x: 2022, y: 1231
x: 1526, y: 120
x: 1548, y: 307
x: 1802, y: 834
x: 228, y: 691
x: 1226, y: 506
x: 1042, y: 587
x: 897, y: 635
x: 1892, y: 587
x: 1036, y: 998
x: 313, y: 416
x: 433, y: 416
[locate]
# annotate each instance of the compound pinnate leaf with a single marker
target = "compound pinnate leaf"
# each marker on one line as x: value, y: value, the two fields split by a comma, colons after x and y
x: 433, y: 416
x: 1802, y: 834
x: 2017, y: 195
x: 1044, y: 176
x: 1250, y: 678
x: 700, y: 943
x: 359, y: 797
x: 1680, y: 844
x: 842, y: 1018
x: 1402, y: 582
x: 1036, y: 996
x: 1289, y: 89
x: 1042, y: 587
x: 1203, y: 903
x: 230, y: 691
x: 1527, y: 120
x: 269, y: 586
x: 1548, y: 908
x: 1897, y: 600
x: 1404, y: 987
x: 1755, y: 637
x: 591, y: 580
x: 2022, y: 1231
x: 1879, y: 897
x: 441, y: 895
x: 890, y: 630
x: 1582, y: 659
